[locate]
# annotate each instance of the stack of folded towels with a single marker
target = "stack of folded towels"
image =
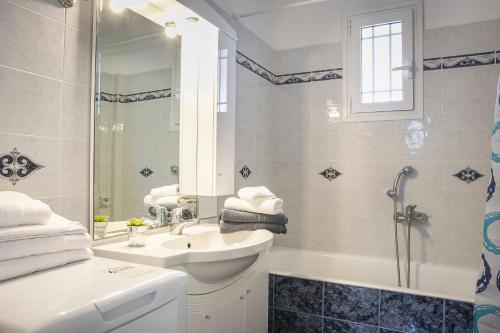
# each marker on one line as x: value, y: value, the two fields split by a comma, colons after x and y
x: 166, y: 196
x: 33, y: 238
x: 255, y: 208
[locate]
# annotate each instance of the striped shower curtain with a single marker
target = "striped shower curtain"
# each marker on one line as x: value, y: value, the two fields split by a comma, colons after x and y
x: 487, y: 307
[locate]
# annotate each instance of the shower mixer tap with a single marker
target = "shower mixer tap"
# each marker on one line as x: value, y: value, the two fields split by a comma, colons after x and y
x: 411, y: 216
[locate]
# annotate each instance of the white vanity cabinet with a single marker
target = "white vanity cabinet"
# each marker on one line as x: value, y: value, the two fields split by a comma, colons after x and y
x: 238, y: 308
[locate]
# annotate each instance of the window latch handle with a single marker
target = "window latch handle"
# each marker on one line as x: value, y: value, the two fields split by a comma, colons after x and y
x: 408, y: 68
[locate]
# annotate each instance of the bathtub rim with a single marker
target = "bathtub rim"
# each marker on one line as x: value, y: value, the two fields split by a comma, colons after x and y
x: 411, y: 291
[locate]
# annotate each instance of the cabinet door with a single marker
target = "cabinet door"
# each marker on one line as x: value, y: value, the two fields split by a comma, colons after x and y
x: 229, y: 316
x: 199, y: 322
x: 256, y: 298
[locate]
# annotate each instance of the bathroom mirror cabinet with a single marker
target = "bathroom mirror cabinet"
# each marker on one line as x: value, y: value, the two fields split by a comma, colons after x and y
x: 163, y: 112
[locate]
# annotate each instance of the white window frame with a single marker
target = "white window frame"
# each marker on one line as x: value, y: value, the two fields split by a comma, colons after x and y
x: 410, y: 13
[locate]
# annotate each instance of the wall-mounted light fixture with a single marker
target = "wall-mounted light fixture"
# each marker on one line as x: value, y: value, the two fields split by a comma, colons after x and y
x: 171, y: 29
x: 117, y: 6
x: 67, y: 3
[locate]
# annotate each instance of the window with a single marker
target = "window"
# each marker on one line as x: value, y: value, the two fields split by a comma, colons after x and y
x: 222, y: 80
x: 383, y: 63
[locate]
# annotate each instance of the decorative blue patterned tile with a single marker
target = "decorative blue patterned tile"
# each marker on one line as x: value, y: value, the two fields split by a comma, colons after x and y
x: 135, y: 97
x: 293, y: 322
x: 476, y: 59
x: 327, y: 74
x: 458, y: 317
x: 432, y: 64
x: 146, y: 172
x: 411, y: 313
x: 254, y: 67
x: 15, y: 166
x: 351, y: 303
x: 245, y: 172
x: 337, y: 326
x: 468, y: 175
x: 384, y: 330
x: 298, y: 294
x: 271, y: 290
x: 330, y: 173
x: 294, y: 78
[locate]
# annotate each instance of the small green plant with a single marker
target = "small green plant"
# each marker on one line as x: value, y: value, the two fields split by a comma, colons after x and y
x: 136, y: 222
x: 101, y: 218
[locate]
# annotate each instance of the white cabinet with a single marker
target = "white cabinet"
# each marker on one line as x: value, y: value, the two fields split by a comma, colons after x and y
x: 238, y: 308
x: 256, y: 299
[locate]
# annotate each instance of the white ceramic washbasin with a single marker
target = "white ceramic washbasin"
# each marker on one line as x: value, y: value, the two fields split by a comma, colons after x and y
x: 202, y: 251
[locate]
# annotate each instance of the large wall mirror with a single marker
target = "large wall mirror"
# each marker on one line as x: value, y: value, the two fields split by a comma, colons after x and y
x: 154, y: 89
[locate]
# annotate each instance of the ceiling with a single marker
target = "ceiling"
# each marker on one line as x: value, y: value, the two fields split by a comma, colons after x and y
x: 287, y: 24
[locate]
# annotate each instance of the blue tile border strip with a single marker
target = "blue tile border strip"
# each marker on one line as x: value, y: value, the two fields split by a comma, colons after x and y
x: 300, y: 305
x: 449, y: 62
x: 136, y: 97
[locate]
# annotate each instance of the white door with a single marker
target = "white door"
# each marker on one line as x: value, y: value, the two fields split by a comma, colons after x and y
x: 199, y: 322
x: 256, y: 298
x: 228, y: 315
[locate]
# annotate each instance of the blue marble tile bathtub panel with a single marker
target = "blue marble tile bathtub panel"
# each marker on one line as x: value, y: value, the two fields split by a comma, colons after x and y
x: 299, y: 295
x: 271, y: 290
x: 293, y: 322
x: 337, y: 326
x: 270, y: 319
x: 411, y: 313
x: 305, y: 306
x: 356, y: 304
x: 458, y: 317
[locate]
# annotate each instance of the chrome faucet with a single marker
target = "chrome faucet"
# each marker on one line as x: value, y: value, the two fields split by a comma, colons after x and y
x: 412, y: 216
x: 177, y: 222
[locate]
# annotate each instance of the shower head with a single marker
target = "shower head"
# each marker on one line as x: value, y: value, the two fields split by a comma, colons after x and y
x: 393, y: 193
x: 406, y: 170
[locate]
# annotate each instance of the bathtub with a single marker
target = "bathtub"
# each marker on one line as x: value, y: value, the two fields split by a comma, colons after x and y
x: 442, y: 281
x: 330, y: 292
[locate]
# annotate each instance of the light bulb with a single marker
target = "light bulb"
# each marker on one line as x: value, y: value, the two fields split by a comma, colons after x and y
x: 171, y: 29
x: 117, y: 6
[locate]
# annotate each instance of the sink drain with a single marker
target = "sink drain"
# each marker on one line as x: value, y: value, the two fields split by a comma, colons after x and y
x: 189, y: 245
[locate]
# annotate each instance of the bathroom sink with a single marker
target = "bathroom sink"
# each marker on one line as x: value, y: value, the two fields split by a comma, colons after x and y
x: 209, y: 257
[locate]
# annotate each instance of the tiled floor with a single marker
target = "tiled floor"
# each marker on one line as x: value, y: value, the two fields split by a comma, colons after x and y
x: 308, y: 306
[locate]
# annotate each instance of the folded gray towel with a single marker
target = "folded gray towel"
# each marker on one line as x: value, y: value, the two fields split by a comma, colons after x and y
x: 228, y: 227
x: 230, y: 215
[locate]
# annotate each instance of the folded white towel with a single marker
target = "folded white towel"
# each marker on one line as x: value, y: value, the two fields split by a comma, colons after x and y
x: 268, y: 206
x: 18, y: 267
x: 163, y: 191
x: 255, y: 193
x: 57, y: 225
x: 19, y: 209
x: 171, y: 201
x: 35, y: 246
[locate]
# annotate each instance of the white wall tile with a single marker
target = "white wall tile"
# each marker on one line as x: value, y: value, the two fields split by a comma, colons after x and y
x: 49, y: 8
x: 80, y: 15
x: 30, y: 41
x: 31, y: 103
x: 77, y: 56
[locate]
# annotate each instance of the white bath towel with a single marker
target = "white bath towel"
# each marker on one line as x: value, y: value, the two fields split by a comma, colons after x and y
x: 18, y: 267
x: 163, y: 191
x: 255, y: 193
x: 171, y: 201
x: 57, y: 225
x: 268, y: 206
x: 19, y: 209
x: 42, y: 245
